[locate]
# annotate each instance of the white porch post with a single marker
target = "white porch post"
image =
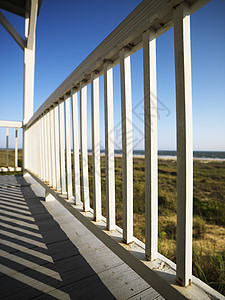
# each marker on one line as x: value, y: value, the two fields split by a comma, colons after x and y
x: 184, y: 145
x: 29, y: 62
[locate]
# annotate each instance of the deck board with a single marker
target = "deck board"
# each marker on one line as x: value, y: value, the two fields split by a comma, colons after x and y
x: 46, y: 253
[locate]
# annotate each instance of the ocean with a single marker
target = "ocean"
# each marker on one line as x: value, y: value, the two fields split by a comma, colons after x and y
x: 197, y: 154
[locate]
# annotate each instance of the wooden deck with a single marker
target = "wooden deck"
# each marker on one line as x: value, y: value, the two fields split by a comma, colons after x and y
x: 46, y: 253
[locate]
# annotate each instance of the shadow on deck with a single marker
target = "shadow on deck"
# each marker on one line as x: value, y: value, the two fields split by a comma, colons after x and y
x: 46, y: 253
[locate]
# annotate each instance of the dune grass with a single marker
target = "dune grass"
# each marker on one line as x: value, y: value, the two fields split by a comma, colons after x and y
x: 11, y: 160
x: 208, y: 219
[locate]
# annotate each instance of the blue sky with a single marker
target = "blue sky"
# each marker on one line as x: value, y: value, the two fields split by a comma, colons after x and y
x: 67, y: 31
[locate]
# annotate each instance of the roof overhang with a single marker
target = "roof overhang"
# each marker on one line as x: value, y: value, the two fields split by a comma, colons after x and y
x: 17, y: 7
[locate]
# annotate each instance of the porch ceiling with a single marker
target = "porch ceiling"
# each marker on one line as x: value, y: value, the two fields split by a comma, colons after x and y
x: 17, y: 7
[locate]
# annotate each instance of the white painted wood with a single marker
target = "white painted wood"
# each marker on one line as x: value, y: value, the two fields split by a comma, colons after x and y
x: 68, y: 148
x: 49, y: 147
x: 32, y: 146
x: 16, y: 147
x: 96, y: 147
x: 184, y: 144
x: 83, y: 146
x: 12, y: 31
x: 127, y: 145
x: 76, y: 160
x: 62, y: 147
x: 158, y: 273
x: 29, y: 62
x: 57, y: 159
x: 109, y: 147
x: 7, y: 146
x: 53, y: 161
x: 35, y: 144
x: 46, y: 149
x: 151, y: 151
x: 49, y: 197
x: 39, y: 146
x: 32, y: 24
x: 43, y: 149
x: 130, y: 31
x: 10, y: 124
x: 39, y: 149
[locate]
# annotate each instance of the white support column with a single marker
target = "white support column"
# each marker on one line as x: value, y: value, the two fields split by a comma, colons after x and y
x: 52, y: 129
x: 68, y: 148
x: 7, y: 147
x: 62, y: 147
x: 76, y: 163
x: 56, y: 117
x: 127, y: 145
x: 83, y: 144
x: 109, y: 147
x: 96, y: 147
x: 16, y: 147
x: 29, y: 62
x: 49, y: 147
x: 184, y: 144
x: 151, y: 153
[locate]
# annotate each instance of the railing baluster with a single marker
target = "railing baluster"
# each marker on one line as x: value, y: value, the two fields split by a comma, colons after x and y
x: 76, y: 164
x: 151, y: 155
x: 35, y: 148
x: 46, y: 149
x: 96, y: 147
x: 49, y: 147
x: 16, y: 147
x: 39, y: 148
x: 68, y: 148
x: 56, y: 117
x: 83, y: 144
x: 109, y: 147
x: 127, y: 145
x: 184, y: 145
x: 52, y: 130
x: 7, y: 147
x: 62, y: 146
x: 43, y: 148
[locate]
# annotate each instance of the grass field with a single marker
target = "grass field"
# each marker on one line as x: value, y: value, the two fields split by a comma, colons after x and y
x: 11, y: 161
x: 209, y: 211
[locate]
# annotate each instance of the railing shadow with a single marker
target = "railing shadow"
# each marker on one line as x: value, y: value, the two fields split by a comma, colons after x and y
x: 37, y: 260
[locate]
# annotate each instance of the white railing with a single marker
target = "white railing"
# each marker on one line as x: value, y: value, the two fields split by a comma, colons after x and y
x: 49, y: 141
x: 7, y: 125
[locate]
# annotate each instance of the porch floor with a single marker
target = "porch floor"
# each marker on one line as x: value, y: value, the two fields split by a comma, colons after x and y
x: 46, y: 253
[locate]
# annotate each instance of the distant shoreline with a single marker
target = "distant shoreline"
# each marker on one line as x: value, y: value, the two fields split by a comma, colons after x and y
x: 214, y: 156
